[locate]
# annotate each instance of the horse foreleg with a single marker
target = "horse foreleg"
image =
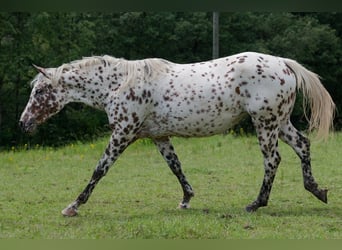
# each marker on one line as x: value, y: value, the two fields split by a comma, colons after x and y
x: 301, y: 145
x: 268, y: 141
x: 167, y: 151
x: 115, y: 147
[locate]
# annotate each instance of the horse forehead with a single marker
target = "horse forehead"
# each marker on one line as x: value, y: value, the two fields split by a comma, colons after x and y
x: 38, y: 83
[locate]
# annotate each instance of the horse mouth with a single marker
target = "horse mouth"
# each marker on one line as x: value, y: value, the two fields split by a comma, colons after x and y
x: 28, y: 126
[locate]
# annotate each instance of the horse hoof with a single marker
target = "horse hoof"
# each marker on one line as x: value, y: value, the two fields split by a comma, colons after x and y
x: 252, y: 207
x: 184, y: 206
x: 69, y: 212
x: 323, y: 195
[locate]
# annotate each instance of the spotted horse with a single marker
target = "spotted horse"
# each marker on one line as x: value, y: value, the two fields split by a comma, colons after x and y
x: 155, y: 98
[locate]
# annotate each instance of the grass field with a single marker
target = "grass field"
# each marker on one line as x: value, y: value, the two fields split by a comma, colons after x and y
x: 139, y: 196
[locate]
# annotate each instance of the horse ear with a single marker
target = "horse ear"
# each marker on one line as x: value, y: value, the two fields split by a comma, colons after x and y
x: 42, y: 70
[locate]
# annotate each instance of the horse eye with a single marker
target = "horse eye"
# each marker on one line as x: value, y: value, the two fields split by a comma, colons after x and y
x: 39, y: 91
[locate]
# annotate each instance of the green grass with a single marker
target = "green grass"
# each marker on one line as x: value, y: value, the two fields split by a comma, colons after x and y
x: 139, y: 195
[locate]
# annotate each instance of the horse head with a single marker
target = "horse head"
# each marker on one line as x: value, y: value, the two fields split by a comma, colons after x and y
x: 47, y: 98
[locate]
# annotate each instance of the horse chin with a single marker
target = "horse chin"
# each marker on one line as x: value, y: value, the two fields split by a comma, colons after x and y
x: 31, y: 130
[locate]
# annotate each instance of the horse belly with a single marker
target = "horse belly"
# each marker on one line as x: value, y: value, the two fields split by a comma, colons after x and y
x: 192, y: 119
x: 202, y: 125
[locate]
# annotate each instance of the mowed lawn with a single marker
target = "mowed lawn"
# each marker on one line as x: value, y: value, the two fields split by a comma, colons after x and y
x: 139, y: 196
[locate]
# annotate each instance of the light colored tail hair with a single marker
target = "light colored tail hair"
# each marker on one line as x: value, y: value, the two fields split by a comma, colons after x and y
x: 316, y: 97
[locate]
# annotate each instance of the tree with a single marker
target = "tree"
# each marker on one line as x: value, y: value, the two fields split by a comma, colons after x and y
x: 14, y: 53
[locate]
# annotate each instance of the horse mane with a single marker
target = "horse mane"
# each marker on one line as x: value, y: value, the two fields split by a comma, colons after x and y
x: 132, y: 70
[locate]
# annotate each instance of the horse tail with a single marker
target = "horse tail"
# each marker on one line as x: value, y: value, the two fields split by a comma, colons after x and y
x: 316, y: 97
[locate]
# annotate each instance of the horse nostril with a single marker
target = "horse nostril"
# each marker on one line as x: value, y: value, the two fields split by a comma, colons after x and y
x: 27, y: 126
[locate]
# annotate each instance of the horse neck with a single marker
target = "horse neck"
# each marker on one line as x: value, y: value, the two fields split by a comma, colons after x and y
x: 89, y: 87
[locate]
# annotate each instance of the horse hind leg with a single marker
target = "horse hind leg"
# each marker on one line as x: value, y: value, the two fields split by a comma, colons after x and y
x: 301, y: 145
x: 167, y: 151
x: 267, y: 132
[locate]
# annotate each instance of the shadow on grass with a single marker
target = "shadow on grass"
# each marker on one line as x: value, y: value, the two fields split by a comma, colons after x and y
x: 310, y: 211
x: 279, y: 210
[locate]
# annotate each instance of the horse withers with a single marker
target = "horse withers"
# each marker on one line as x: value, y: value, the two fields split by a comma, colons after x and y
x: 157, y: 99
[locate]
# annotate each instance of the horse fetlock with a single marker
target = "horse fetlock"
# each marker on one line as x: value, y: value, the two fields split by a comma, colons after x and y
x: 310, y: 185
x: 189, y: 194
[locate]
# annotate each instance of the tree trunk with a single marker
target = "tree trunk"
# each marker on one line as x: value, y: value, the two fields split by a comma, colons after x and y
x: 215, y: 35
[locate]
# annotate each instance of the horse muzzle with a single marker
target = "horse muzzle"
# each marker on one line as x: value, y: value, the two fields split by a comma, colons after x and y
x: 28, y: 126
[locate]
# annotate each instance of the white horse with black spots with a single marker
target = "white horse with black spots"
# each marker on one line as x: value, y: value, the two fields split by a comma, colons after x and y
x: 157, y: 99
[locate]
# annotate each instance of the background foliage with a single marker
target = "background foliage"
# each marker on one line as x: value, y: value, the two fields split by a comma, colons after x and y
x: 50, y: 39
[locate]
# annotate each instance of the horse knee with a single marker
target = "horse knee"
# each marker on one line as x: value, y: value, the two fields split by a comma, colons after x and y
x: 277, y: 158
